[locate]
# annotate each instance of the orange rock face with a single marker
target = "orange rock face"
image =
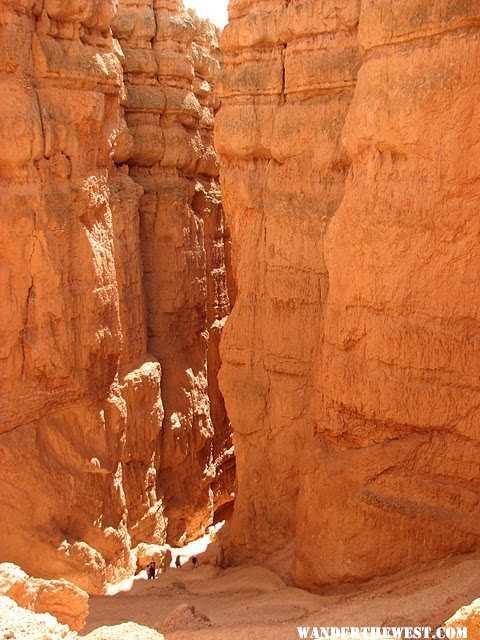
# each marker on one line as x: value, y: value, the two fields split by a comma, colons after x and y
x: 395, y: 450
x: 80, y: 403
x: 171, y: 64
x: 62, y: 599
x: 352, y: 354
x: 91, y: 283
x: 16, y: 622
x: 467, y: 617
x: 286, y: 89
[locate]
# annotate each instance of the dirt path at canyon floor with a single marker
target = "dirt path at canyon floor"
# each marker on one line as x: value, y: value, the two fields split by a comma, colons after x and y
x: 249, y: 603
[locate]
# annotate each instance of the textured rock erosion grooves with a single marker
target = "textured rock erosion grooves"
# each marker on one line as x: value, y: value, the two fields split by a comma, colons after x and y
x: 80, y: 405
x: 290, y: 69
x: 170, y: 67
x: 395, y: 475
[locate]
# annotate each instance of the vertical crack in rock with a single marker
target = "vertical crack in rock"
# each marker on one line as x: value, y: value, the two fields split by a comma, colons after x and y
x: 283, y: 96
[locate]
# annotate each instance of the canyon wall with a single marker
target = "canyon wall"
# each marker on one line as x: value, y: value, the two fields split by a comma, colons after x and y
x: 171, y: 64
x: 351, y: 360
x: 87, y: 275
x: 290, y: 70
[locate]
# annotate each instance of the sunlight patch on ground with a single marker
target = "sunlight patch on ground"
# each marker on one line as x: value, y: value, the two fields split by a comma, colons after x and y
x: 194, y: 548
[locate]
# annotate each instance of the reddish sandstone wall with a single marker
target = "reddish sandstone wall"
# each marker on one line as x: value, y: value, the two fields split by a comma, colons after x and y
x: 351, y: 357
x: 97, y: 289
x: 396, y: 408
x: 81, y: 411
x: 287, y: 84
x: 171, y: 64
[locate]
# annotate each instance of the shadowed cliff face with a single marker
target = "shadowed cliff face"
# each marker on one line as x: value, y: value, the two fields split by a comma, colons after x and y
x: 171, y: 65
x: 85, y: 458
x: 350, y: 361
x: 287, y: 84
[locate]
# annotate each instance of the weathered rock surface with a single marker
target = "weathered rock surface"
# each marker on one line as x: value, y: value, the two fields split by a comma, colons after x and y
x: 81, y: 438
x: 62, y: 599
x: 394, y: 472
x: 80, y: 403
x: 17, y: 623
x: 467, y: 617
x: 171, y: 64
x: 351, y: 358
x: 290, y: 70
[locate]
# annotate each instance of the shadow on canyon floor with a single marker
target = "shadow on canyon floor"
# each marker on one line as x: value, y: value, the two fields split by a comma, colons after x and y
x: 253, y: 602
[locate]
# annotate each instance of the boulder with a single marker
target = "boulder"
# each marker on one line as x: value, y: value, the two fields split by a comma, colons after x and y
x: 145, y: 553
x: 17, y: 623
x: 60, y: 598
x: 467, y: 616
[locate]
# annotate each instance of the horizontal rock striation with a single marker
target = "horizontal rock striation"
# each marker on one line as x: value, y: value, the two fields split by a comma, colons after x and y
x: 350, y: 361
x: 396, y: 409
x: 98, y: 290
x: 288, y: 81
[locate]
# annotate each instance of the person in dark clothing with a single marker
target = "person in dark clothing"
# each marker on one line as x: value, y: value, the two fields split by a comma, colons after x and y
x: 194, y: 561
x: 151, y: 570
x: 178, y: 564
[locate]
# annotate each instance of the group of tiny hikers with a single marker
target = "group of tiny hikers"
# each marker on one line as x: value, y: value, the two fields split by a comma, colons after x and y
x: 152, y: 566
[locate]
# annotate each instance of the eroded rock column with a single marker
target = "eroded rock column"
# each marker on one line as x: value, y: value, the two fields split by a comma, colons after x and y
x: 171, y: 63
x: 288, y: 81
x: 395, y: 478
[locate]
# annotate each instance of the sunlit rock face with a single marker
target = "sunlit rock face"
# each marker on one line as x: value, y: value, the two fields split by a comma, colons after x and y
x: 81, y: 408
x: 62, y: 599
x: 351, y: 358
x: 98, y: 296
x: 395, y: 473
x: 171, y: 65
x: 288, y: 81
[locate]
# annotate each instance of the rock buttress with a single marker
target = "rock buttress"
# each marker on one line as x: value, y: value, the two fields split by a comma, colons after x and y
x: 171, y: 64
x: 80, y: 405
x: 395, y: 477
x: 351, y: 359
x: 290, y: 70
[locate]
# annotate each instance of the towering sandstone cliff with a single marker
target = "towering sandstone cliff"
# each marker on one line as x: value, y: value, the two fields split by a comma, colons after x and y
x: 290, y: 70
x: 170, y: 70
x: 351, y: 361
x: 86, y: 462
x: 351, y: 358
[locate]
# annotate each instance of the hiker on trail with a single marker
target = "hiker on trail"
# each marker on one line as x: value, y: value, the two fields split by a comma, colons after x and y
x: 178, y: 564
x: 151, y: 570
x: 194, y: 561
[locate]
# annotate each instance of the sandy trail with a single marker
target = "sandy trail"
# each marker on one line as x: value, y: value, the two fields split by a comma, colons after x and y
x: 250, y: 603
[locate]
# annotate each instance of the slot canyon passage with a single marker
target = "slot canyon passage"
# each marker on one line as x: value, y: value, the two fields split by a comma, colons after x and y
x: 240, y: 277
